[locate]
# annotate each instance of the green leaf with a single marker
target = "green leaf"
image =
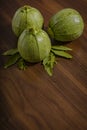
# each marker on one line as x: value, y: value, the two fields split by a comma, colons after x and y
x: 49, y: 70
x: 48, y: 63
x: 52, y: 58
x: 45, y: 60
x: 10, y: 52
x: 61, y: 48
x: 12, y: 60
x: 21, y: 64
x: 62, y: 53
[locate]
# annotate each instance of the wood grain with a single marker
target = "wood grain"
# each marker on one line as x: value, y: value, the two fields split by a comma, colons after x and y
x: 30, y: 99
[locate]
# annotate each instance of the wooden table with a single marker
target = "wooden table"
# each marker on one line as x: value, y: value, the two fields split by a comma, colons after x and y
x: 32, y: 100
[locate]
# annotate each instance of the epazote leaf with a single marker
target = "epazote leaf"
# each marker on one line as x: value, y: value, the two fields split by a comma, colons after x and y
x: 62, y: 54
x: 21, y: 64
x: 61, y: 48
x: 12, y: 60
x: 53, y: 60
x: 10, y: 52
x: 48, y: 63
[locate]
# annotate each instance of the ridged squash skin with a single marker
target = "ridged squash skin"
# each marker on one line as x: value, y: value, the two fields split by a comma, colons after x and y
x: 24, y: 17
x: 66, y: 25
x: 33, y: 45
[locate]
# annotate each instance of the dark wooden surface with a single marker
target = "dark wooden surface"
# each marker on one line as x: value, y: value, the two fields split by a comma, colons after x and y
x: 30, y: 99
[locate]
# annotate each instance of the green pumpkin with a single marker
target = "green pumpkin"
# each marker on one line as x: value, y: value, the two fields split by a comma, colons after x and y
x: 34, y: 45
x: 24, y: 17
x: 66, y: 25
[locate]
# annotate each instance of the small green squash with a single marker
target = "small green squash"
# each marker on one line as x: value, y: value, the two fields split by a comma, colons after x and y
x: 34, y: 45
x: 24, y: 17
x: 66, y: 25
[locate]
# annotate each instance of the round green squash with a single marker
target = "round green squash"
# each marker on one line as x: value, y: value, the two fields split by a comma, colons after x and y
x: 24, y: 17
x: 66, y: 25
x: 34, y: 45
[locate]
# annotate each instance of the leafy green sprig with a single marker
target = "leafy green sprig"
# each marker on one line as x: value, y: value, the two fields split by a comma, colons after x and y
x: 50, y: 61
x: 14, y: 57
